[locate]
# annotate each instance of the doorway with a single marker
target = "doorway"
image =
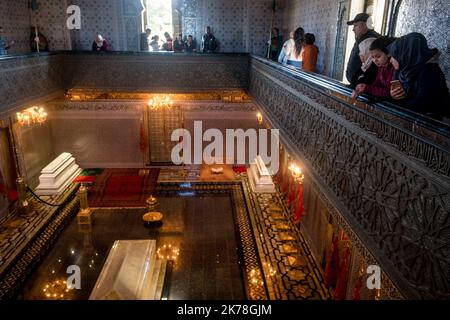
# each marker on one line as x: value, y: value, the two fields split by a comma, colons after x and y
x: 378, y: 11
x: 158, y: 17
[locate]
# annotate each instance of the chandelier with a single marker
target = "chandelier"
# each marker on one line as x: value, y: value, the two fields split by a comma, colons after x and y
x: 259, y: 117
x: 56, y: 290
x: 32, y: 116
x: 158, y: 102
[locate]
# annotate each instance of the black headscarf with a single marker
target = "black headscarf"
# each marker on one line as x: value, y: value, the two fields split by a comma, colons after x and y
x: 412, y: 53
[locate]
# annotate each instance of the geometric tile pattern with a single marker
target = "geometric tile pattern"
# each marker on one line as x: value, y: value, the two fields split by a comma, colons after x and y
x: 255, y: 283
x: 46, y: 75
x: 283, y: 248
x: 239, y: 26
x: 98, y: 16
x: 15, y: 20
x: 432, y: 19
x: 268, y: 243
x: 26, y: 237
x: 157, y: 72
x: 51, y: 19
x: 320, y: 18
x: 25, y: 80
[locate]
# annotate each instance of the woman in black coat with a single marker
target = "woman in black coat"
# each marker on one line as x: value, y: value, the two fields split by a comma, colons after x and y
x: 422, y: 86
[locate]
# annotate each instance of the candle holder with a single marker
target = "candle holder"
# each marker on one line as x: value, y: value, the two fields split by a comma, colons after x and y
x: 259, y: 117
x: 297, y: 173
x: 151, y: 201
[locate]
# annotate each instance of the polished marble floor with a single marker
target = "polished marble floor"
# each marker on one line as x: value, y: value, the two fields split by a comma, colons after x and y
x: 202, y: 227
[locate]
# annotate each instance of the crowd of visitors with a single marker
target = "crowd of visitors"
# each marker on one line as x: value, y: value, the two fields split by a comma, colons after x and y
x: 147, y: 42
x: 179, y: 44
x: 298, y: 51
x: 402, y: 70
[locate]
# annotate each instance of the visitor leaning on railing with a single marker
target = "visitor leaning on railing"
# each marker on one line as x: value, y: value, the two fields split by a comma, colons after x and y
x: 419, y: 83
x: 381, y: 86
x: 422, y: 86
x: 4, y: 45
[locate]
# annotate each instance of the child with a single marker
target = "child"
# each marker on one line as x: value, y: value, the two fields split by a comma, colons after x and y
x: 380, y: 87
x: 310, y: 53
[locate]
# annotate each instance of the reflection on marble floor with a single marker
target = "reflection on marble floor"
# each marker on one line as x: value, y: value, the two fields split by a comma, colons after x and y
x: 228, y: 239
x: 201, y: 227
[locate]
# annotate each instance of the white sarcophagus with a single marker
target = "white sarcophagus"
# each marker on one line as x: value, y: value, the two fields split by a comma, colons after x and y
x: 55, y: 177
x: 131, y: 272
x: 260, y: 178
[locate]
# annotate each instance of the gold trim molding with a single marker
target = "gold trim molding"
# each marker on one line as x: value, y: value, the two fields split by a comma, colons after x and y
x: 236, y: 96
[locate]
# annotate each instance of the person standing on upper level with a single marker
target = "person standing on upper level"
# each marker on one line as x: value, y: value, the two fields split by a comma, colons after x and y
x: 145, y: 40
x: 190, y: 46
x: 168, y: 45
x: 310, y: 53
x: 275, y: 44
x: 287, y: 47
x: 101, y: 44
x: 209, y: 43
x: 421, y: 84
x: 294, y: 53
x: 362, y: 32
x: 4, y: 45
x: 178, y: 44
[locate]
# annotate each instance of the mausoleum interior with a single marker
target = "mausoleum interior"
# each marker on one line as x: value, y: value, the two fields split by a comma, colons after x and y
x: 141, y: 168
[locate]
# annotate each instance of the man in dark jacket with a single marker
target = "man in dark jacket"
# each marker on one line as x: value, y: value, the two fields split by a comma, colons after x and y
x: 145, y: 40
x: 362, y: 32
x: 209, y: 43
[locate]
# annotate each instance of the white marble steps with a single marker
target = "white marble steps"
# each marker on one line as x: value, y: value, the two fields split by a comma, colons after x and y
x: 56, y: 176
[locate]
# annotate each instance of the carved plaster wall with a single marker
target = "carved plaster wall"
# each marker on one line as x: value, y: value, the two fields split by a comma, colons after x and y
x: 397, y: 207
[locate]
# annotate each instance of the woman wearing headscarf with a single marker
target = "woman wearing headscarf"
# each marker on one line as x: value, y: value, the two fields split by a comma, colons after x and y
x: 422, y: 86
x: 368, y: 68
x: 381, y: 85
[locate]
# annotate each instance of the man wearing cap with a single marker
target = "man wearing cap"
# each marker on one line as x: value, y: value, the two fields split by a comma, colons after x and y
x: 362, y: 32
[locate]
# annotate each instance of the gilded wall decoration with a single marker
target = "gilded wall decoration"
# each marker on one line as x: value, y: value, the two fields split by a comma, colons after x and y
x: 93, y: 94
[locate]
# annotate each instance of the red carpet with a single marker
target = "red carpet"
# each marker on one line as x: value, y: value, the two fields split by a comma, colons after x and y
x: 239, y: 169
x: 123, y: 188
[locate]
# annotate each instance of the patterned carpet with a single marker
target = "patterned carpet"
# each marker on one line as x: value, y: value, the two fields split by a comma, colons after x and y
x: 123, y: 188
